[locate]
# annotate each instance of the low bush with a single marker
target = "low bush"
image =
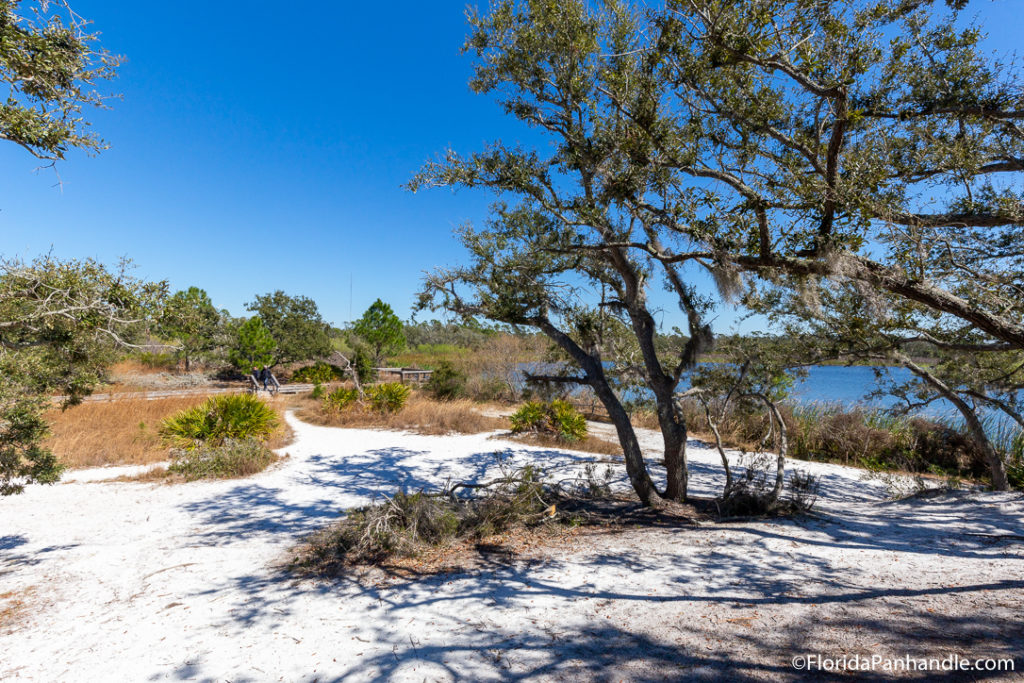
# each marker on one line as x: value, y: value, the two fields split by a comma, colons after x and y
x: 558, y: 418
x: 231, y: 458
x: 446, y: 382
x: 850, y: 436
x: 340, y: 398
x: 390, y: 397
x: 232, y: 416
x: 750, y: 493
x: 319, y: 373
x: 405, y: 524
x: 318, y: 391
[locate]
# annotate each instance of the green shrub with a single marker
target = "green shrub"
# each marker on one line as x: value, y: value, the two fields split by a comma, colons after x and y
x: 232, y: 416
x: 318, y: 391
x: 389, y: 397
x: 568, y: 422
x: 340, y: 398
x: 531, y: 416
x: 558, y: 418
x: 232, y: 458
x: 446, y: 382
x: 363, y: 363
x: 320, y: 373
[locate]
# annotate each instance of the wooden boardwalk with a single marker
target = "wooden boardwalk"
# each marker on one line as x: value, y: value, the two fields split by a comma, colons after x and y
x: 189, y: 391
x: 404, y: 375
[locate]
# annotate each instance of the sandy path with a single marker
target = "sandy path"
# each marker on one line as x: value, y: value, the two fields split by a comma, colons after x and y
x: 143, y: 582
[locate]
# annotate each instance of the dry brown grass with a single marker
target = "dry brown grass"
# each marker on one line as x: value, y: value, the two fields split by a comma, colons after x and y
x: 421, y: 415
x: 13, y: 605
x: 134, y: 367
x: 124, y: 432
x: 590, y: 444
x: 155, y: 474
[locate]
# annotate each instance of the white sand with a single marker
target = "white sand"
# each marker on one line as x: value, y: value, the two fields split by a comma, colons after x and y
x: 149, y: 582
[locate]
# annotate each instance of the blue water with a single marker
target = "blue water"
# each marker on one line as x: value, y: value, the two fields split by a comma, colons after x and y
x: 846, y: 385
x: 842, y: 385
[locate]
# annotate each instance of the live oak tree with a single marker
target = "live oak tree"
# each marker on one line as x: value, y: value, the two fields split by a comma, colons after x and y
x: 580, y: 206
x: 980, y: 379
x: 381, y: 329
x: 52, y: 65
x: 295, y: 324
x: 868, y: 140
x: 190, y: 319
x: 61, y: 323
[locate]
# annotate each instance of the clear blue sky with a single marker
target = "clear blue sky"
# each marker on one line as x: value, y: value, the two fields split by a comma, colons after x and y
x: 259, y: 148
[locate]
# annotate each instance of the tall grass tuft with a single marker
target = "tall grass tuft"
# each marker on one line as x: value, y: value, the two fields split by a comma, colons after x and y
x: 1008, y: 439
x: 855, y: 436
x: 120, y: 432
x: 405, y: 524
x: 421, y: 414
x: 219, y: 418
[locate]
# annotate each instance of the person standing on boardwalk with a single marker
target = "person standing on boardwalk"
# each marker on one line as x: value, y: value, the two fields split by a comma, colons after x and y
x: 255, y: 376
x: 264, y: 376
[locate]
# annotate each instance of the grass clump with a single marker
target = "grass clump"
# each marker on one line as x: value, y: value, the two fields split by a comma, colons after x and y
x: 405, y: 524
x: 228, y: 459
x: 853, y: 436
x: 558, y: 418
x: 219, y: 418
x: 119, y: 432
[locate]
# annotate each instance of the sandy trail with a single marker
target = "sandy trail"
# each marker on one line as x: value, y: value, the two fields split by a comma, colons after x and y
x: 146, y: 582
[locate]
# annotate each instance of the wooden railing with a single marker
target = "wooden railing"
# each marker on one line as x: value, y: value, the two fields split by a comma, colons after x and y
x: 404, y: 375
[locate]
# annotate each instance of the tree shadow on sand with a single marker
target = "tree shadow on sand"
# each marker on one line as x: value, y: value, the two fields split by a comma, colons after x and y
x: 738, y: 638
x: 719, y: 602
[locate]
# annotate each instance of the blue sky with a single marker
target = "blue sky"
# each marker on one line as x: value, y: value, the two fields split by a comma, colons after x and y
x: 256, y: 149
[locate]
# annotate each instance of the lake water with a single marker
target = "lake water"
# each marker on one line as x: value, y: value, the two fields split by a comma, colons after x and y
x: 850, y: 385
x: 845, y: 385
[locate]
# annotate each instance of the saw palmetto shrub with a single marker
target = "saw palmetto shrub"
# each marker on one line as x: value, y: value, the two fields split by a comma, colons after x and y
x: 219, y: 418
x: 557, y: 418
x: 390, y: 397
x: 340, y: 398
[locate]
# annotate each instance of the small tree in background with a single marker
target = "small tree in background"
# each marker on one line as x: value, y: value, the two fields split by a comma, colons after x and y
x: 382, y: 330
x: 190, y: 318
x: 758, y: 372
x: 295, y: 324
x: 253, y: 345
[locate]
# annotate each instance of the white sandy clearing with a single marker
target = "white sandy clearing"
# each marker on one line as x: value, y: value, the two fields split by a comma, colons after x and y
x: 150, y: 582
